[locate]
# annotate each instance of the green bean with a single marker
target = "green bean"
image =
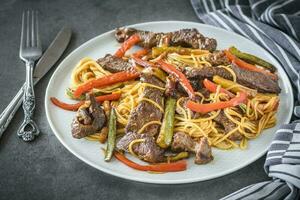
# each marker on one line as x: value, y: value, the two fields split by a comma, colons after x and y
x: 165, y: 136
x: 112, y: 132
x: 252, y: 59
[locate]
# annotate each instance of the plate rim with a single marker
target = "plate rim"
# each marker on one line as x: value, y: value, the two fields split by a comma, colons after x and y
x: 147, y: 180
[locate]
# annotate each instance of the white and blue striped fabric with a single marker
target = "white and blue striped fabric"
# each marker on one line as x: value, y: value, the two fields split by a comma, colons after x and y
x: 274, y: 25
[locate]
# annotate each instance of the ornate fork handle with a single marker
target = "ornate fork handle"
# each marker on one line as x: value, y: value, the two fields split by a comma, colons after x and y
x: 28, y: 129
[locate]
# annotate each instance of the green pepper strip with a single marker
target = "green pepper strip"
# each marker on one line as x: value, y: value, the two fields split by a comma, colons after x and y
x: 165, y: 136
x: 112, y: 132
x: 252, y: 59
x: 178, y: 156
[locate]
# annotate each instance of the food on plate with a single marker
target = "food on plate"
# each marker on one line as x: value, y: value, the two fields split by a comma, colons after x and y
x: 176, y: 96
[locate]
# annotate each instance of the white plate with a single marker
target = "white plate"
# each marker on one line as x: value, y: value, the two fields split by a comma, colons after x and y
x: 225, y: 162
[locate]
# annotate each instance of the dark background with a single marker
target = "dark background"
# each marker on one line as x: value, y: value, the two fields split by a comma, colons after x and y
x: 44, y: 169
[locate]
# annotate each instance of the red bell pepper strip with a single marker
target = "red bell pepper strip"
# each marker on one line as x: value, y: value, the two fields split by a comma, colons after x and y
x: 161, y: 167
x: 205, y: 108
x: 140, y: 53
x: 180, y: 76
x: 105, y: 81
x: 210, y: 86
x: 244, y: 65
x: 131, y: 41
x: 74, y: 107
x: 143, y: 63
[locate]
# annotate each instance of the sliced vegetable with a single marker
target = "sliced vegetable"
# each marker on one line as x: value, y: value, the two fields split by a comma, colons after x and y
x: 74, y: 107
x: 103, y: 135
x: 179, y: 75
x: 156, y: 51
x: 131, y: 41
x: 165, y: 136
x: 242, y: 64
x: 156, y: 72
x: 112, y: 134
x: 235, y: 87
x: 70, y: 94
x: 210, y: 86
x: 205, y: 108
x: 140, y: 53
x: 141, y: 62
x: 178, y: 156
x: 162, y: 167
x: 252, y: 59
x: 105, y: 81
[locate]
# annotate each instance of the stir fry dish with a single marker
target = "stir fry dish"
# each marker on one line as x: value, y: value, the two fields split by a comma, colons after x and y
x: 174, y: 97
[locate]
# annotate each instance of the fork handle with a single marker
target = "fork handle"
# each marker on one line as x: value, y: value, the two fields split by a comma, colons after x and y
x: 28, y: 129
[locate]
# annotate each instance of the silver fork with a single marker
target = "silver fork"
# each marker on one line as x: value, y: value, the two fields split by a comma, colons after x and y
x: 30, y: 51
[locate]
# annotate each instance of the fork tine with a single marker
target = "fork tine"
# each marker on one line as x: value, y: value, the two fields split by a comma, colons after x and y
x: 28, y: 28
x: 23, y: 31
x: 33, y: 32
x: 38, y: 40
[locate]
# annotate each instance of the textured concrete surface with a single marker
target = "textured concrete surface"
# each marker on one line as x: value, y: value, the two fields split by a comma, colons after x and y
x: 44, y: 169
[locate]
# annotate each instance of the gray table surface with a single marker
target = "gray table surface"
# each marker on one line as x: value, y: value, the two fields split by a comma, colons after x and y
x: 44, y: 169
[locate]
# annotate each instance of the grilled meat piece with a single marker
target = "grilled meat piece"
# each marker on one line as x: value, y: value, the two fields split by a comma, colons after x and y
x: 256, y: 80
x: 114, y: 64
x: 147, y: 150
x: 146, y: 111
x: 203, y: 152
x: 88, y: 120
x: 228, y: 126
x: 206, y: 72
x: 218, y: 58
x: 184, y: 142
x: 171, y: 84
x: 184, y: 37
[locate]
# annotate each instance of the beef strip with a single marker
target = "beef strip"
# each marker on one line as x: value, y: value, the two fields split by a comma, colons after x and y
x: 114, y: 64
x: 228, y: 126
x: 171, y: 84
x: 147, y: 150
x: 89, y: 119
x: 184, y: 37
x: 145, y: 111
x: 184, y: 142
x: 206, y: 72
x: 218, y: 58
x: 256, y: 80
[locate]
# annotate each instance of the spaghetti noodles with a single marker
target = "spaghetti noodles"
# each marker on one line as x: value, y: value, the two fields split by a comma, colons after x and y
x: 250, y: 119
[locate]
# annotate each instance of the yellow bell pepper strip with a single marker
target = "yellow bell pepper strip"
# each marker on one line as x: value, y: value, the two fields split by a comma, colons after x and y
x: 205, y: 108
x: 156, y: 51
x: 235, y: 87
x: 210, y: 86
x: 112, y: 135
x: 165, y: 136
x: 170, y: 69
x: 130, y: 42
x: 105, y: 81
x: 161, y: 167
x: 74, y: 107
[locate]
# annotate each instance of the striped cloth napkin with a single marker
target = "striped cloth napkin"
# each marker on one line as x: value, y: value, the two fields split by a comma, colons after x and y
x: 274, y: 25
